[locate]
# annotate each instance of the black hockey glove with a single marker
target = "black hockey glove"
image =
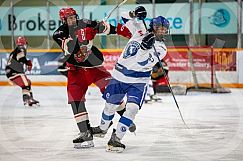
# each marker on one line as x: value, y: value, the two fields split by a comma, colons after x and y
x: 148, y: 41
x: 140, y: 12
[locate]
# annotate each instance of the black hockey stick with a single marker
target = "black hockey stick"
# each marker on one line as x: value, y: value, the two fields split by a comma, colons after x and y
x: 167, y: 80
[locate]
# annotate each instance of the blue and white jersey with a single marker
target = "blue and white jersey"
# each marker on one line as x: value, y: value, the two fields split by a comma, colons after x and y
x: 135, y: 65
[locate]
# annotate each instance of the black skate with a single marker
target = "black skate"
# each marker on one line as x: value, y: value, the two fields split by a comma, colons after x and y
x: 85, y: 140
x: 29, y: 101
x: 114, y: 144
x: 34, y: 102
x: 97, y: 132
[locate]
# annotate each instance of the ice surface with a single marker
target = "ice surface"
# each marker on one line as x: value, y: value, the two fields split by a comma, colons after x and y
x: 45, y: 133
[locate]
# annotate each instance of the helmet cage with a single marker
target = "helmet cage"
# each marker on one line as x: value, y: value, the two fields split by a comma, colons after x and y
x: 160, y: 21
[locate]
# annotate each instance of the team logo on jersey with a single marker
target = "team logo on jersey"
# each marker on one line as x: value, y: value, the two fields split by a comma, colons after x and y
x: 220, y: 18
x: 123, y: 129
x: 107, y: 95
x: 131, y: 49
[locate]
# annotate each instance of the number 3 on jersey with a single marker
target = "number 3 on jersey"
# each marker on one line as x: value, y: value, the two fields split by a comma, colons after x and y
x: 131, y: 49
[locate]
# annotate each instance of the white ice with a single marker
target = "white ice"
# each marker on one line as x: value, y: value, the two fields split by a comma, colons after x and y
x: 45, y: 133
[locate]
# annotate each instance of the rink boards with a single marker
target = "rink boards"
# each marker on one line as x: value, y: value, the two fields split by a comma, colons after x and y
x: 227, y: 64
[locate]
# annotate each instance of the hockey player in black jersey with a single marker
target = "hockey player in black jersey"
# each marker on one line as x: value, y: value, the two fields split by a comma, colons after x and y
x: 16, y: 73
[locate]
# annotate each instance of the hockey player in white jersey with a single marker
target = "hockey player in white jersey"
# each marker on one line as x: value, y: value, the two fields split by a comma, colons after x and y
x: 132, y: 74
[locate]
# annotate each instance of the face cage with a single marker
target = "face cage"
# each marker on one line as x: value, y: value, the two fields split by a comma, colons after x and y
x: 161, y: 37
x: 65, y: 19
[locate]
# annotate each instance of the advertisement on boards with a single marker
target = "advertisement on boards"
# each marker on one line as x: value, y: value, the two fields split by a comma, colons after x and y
x: 43, y: 63
x: 46, y: 63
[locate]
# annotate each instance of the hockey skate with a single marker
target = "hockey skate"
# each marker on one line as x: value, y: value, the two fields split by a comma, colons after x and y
x: 34, y: 102
x: 29, y: 101
x: 97, y: 132
x: 85, y: 140
x: 155, y: 98
x: 147, y: 100
x: 114, y: 144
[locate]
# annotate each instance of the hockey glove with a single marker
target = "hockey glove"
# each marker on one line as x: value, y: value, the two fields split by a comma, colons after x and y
x: 148, y: 41
x: 29, y: 65
x: 140, y: 12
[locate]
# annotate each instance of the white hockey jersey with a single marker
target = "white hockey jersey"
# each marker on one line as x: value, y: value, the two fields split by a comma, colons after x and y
x: 135, y: 65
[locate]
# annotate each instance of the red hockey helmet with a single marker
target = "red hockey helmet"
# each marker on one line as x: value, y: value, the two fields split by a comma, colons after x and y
x: 61, y: 14
x: 21, y: 41
x: 65, y: 12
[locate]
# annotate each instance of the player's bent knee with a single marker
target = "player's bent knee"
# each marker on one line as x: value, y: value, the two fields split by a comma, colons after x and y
x: 110, y: 108
x: 131, y: 110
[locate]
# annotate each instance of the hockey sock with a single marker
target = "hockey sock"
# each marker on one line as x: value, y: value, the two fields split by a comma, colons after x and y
x: 107, y: 115
x: 26, y: 93
x: 81, y: 115
x: 121, y: 108
x: 127, y: 119
x: 121, y: 112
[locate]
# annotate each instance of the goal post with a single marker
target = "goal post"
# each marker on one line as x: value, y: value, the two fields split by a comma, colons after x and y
x: 201, y: 68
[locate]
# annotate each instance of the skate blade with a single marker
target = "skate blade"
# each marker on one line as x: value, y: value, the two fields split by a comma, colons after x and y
x: 148, y: 102
x: 36, y: 105
x: 84, y: 145
x: 157, y: 100
x: 33, y: 105
x: 114, y: 149
x: 99, y: 135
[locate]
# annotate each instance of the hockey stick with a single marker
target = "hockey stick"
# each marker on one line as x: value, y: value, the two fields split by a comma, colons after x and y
x: 117, y: 6
x: 167, y: 80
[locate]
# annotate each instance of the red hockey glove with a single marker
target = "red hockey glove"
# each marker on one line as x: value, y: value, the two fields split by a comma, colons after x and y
x: 84, y: 34
x: 29, y: 65
x: 123, y: 31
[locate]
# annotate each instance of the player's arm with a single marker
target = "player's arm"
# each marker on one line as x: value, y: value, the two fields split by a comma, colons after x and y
x: 58, y: 36
x: 124, y: 30
x: 21, y: 57
x: 61, y: 37
x: 129, y: 19
x: 121, y: 30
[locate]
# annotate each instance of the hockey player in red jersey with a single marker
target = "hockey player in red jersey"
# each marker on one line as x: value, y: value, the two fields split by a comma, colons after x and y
x: 16, y: 73
x: 62, y: 65
x: 84, y: 63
